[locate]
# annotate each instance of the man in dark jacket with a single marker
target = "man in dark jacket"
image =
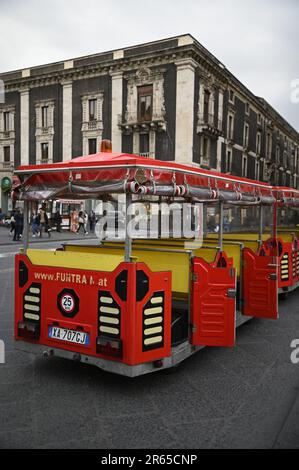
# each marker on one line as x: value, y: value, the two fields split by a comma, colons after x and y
x: 58, y: 221
x: 19, y: 222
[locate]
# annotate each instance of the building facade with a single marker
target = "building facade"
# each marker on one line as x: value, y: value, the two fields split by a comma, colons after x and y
x: 170, y: 99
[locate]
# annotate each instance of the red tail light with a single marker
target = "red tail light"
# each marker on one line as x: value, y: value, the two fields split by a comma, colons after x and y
x: 109, y: 347
x: 28, y: 330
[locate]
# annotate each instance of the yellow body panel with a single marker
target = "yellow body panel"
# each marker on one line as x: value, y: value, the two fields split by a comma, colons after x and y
x: 84, y: 260
x: 177, y: 263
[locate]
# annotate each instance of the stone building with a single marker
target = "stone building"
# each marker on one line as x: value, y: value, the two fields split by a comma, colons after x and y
x: 170, y: 99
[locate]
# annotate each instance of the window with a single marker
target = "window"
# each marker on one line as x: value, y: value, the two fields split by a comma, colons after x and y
x: 277, y: 154
x: 206, y: 106
x: 230, y: 127
x: 92, y: 146
x: 6, y: 151
x: 259, y: 119
x: 45, y: 110
x: 246, y: 136
x: 244, y: 166
x: 284, y: 179
x: 6, y: 117
x: 269, y: 146
x: 231, y: 96
x: 205, y: 147
x: 145, y: 103
x: 144, y: 144
x: 45, y: 151
x: 92, y: 109
x: 258, y: 143
x: 257, y: 170
x: 229, y: 161
x: 247, y: 108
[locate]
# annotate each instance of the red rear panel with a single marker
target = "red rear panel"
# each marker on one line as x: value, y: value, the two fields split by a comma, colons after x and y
x: 105, y: 305
x: 260, y: 287
x: 213, y: 302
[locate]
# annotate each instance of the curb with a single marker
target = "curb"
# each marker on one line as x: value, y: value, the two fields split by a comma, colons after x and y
x: 10, y: 242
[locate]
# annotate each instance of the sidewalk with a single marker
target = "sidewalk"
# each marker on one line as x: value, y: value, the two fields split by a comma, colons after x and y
x: 65, y: 235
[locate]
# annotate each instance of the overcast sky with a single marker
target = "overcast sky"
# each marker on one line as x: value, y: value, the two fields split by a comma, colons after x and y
x: 256, y: 39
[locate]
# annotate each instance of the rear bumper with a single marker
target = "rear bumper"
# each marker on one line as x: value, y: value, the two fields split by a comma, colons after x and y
x: 179, y: 354
x: 283, y: 290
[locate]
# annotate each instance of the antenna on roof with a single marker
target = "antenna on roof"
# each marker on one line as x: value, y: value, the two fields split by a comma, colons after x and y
x: 106, y: 146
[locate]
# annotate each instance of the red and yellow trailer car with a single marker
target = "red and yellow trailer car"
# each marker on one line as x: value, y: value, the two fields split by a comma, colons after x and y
x: 135, y: 306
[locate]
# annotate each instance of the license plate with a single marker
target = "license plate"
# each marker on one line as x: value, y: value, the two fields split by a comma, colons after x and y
x: 70, y: 336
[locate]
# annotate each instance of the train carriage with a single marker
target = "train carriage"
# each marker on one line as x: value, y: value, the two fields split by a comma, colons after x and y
x: 138, y: 305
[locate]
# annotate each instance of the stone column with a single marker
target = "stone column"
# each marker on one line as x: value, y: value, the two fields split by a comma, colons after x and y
x: 67, y: 120
x: 116, y: 110
x: 185, y: 110
x: 24, y: 103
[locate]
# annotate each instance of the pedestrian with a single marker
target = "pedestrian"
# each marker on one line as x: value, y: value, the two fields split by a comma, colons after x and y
x: 35, y: 227
x: 19, y: 221
x: 92, y: 221
x: 2, y: 217
x: 82, y: 222
x: 12, y: 223
x: 58, y: 221
x: 44, y: 223
x: 74, y: 221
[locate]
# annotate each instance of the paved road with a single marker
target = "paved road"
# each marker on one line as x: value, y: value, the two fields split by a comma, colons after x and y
x: 242, y: 397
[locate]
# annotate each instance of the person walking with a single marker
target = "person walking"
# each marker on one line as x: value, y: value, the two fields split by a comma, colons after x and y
x: 92, y: 221
x: 2, y: 217
x: 44, y: 223
x: 12, y: 223
x: 82, y: 221
x: 19, y: 221
x: 58, y: 221
x: 35, y: 227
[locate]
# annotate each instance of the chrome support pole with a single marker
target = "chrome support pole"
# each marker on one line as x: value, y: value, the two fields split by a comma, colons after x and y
x: 128, y: 239
x: 261, y: 221
x: 221, y: 216
x: 26, y: 227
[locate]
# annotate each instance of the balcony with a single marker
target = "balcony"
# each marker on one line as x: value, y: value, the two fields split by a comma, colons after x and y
x: 6, y: 135
x: 210, y: 125
x: 8, y: 166
x: 134, y: 123
x: 94, y: 125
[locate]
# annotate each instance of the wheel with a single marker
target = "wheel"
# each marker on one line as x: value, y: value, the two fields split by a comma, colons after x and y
x: 284, y: 296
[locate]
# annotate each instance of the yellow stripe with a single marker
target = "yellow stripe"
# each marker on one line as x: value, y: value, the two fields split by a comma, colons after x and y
x: 155, y: 340
x: 30, y: 298
x: 153, y: 331
x: 106, y: 300
x: 106, y: 329
x: 113, y: 311
x: 153, y: 321
x: 34, y: 290
x: 112, y: 321
x: 33, y: 308
x: 153, y: 311
x: 31, y: 316
x: 157, y: 300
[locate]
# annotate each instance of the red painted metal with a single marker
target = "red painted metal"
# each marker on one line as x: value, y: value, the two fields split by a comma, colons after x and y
x: 123, y: 167
x: 213, y: 302
x: 86, y: 285
x: 260, y: 286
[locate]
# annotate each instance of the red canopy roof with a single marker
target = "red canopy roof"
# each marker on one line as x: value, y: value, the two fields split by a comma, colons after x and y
x: 91, y: 175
